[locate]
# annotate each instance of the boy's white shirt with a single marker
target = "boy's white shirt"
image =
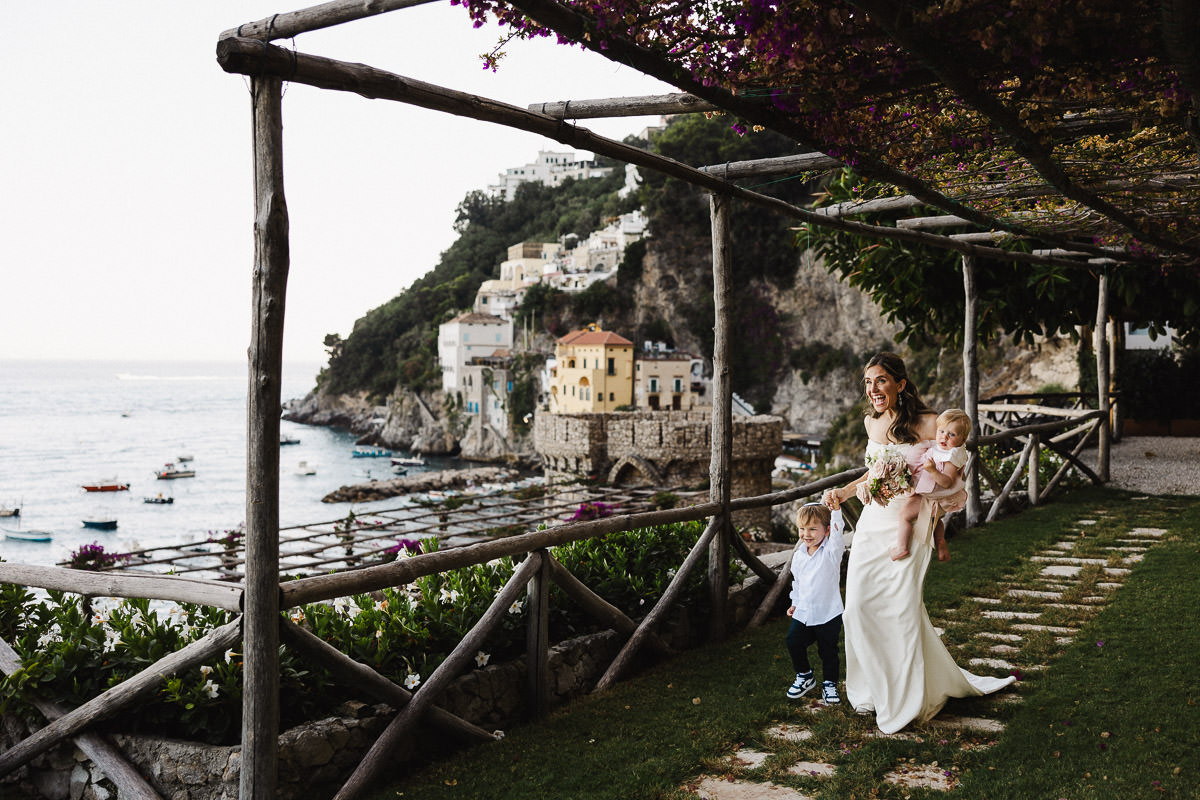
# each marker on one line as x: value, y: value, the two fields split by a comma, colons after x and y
x: 816, y: 593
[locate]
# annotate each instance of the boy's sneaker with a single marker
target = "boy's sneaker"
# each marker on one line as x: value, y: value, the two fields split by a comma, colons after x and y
x: 829, y: 693
x: 804, y: 681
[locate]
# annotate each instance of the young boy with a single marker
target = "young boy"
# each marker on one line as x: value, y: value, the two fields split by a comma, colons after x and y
x: 939, y: 478
x: 816, y: 608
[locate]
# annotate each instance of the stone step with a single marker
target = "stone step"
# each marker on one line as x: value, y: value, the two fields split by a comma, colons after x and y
x: 788, y: 732
x: 1010, y: 614
x: 1000, y: 637
x: 968, y: 724
x: 1070, y: 560
x: 711, y: 787
x: 748, y: 758
x: 1059, y: 629
x: 812, y: 769
x: 921, y: 776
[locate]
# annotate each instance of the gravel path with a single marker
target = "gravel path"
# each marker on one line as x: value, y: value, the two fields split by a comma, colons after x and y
x: 1156, y: 464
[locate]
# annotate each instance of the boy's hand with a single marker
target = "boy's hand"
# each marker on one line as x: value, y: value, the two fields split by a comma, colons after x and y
x: 791, y: 610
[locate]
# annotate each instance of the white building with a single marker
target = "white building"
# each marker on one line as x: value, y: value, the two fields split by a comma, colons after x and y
x: 469, y: 336
x: 550, y: 168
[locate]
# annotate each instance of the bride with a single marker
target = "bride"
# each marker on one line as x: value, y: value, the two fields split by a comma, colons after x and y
x: 896, y: 666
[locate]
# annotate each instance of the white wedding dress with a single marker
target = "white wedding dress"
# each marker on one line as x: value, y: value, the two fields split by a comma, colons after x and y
x: 896, y: 665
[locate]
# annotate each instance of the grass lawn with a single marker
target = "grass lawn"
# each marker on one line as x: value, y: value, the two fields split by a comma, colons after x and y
x: 1110, y: 714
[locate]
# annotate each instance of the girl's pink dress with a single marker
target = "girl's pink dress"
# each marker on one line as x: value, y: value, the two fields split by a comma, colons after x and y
x: 924, y: 483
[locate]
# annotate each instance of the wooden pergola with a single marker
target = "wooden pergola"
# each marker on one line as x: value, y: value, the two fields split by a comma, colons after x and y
x: 247, y: 50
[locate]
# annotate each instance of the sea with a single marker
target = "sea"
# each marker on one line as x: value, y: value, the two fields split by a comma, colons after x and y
x: 64, y: 424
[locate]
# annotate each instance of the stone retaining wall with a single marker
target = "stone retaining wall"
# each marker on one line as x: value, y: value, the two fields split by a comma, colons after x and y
x: 660, y: 448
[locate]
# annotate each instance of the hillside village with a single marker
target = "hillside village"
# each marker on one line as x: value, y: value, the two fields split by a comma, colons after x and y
x: 592, y: 370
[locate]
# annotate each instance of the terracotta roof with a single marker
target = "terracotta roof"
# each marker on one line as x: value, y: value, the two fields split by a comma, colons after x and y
x: 594, y: 337
x: 472, y: 318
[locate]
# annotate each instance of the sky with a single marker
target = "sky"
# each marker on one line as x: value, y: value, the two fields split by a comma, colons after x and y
x: 126, y: 190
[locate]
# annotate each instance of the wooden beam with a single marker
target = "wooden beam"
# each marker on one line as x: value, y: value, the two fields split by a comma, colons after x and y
x: 118, y: 697
x: 923, y: 223
x: 669, y: 596
x: 406, y: 570
x: 970, y: 356
x: 109, y: 759
x: 1102, y: 377
x: 260, y: 695
x: 118, y: 584
x: 720, y: 208
x: 600, y: 609
x: 679, y: 103
x: 379, y: 756
x: 325, y: 15
x: 876, y: 206
x: 251, y: 57
x: 537, y: 639
x: 778, y: 587
x: 360, y: 676
x: 764, y: 167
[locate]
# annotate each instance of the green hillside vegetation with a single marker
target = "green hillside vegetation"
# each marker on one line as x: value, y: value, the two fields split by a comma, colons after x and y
x: 396, y: 343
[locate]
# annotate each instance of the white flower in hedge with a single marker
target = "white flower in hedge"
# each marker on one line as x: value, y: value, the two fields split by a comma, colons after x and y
x: 205, y: 670
x: 99, y: 618
x: 210, y: 688
x: 49, y: 637
x: 111, y: 640
x: 497, y: 734
x: 481, y: 658
x: 412, y: 681
x: 229, y: 654
x: 379, y: 633
x: 449, y: 595
x: 516, y: 607
x: 340, y: 605
x: 382, y: 605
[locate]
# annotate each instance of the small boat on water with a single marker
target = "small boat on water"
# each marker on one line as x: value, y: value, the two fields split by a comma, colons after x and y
x: 408, y: 461
x: 6, y: 511
x: 285, y: 439
x: 171, y: 471
x: 106, y: 485
x: 304, y: 468
x: 100, y: 523
x: 370, y: 452
x: 399, y: 469
x: 158, y: 500
x: 27, y: 536
x: 183, y: 459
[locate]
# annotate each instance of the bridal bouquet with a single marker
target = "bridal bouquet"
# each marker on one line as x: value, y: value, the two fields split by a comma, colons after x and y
x: 888, y: 474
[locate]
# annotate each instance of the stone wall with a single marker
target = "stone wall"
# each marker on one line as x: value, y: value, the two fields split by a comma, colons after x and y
x: 660, y: 448
x: 316, y: 758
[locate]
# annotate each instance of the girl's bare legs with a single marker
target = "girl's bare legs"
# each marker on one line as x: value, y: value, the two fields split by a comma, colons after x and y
x: 904, y: 530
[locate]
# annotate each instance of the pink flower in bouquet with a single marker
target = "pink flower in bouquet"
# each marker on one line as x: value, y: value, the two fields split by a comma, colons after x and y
x: 888, y: 474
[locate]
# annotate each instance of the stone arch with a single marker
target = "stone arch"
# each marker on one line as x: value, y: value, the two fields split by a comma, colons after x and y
x: 634, y: 471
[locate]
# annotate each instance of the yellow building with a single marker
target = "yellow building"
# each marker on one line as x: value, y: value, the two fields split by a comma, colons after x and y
x: 594, y: 372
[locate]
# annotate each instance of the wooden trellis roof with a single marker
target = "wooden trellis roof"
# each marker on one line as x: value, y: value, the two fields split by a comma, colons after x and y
x: 1070, y: 123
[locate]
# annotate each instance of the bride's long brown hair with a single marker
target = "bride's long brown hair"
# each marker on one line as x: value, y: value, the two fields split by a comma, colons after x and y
x: 909, y: 406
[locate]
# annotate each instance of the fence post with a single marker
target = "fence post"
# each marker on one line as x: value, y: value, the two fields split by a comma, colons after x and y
x: 260, y: 696
x: 1102, y: 376
x: 722, y: 415
x: 1034, y: 458
x: 537, y: 640
x: 974, y: 510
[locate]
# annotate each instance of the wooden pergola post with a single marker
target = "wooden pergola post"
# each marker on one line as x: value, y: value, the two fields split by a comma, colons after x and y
x: 1102, y: 376
x: 974, y: 509
x: 722, y: 415
x: 260, y: 692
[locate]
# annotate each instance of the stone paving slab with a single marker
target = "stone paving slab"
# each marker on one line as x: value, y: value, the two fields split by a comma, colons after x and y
x: 969, y: 724
x: 1010, y: 614
x: 1034, y: 594
x: 1001, y: 637
x: 988, y: 601
x: 748, y: 758
x: 1061, y: 571
x: 713, y: 788
x: 1155, y: 532
x: 924, y: 776
x: 1070, y: 559
x: 1048, y: 628
x: 788, y: 732
x: 812, y: 769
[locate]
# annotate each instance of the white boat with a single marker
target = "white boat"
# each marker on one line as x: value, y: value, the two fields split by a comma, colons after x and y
x: 408, y: 461
x: 171, y: 471
x: 304, y: 468
x: 27, y: 536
